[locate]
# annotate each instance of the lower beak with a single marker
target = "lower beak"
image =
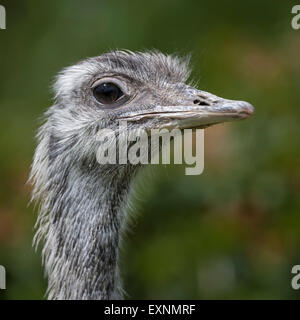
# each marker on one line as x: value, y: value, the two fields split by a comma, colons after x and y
x: 200, y: 113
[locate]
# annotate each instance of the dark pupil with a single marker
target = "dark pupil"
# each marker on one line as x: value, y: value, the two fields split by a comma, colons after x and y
x: 107, y: 93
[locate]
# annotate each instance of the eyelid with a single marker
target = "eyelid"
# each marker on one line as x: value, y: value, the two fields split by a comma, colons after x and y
x: 115, y: 81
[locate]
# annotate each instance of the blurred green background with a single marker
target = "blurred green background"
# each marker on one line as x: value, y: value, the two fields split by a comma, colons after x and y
x: 232, y: 232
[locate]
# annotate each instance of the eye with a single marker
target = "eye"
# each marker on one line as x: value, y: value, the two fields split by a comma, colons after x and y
x: 107, y: 93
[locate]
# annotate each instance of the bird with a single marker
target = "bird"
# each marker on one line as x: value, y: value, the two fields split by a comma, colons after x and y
x: 82, y: 205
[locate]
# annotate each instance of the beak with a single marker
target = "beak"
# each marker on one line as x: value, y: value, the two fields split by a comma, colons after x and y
x: 196, y: 109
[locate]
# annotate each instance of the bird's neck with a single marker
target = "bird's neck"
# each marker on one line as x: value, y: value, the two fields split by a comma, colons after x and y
x: 82, y: 234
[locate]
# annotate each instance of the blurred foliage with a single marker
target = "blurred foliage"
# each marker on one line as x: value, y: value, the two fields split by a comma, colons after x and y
x: 234, y: 231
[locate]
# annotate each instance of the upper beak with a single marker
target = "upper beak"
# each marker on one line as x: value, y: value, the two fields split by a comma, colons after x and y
x: 197, y: 109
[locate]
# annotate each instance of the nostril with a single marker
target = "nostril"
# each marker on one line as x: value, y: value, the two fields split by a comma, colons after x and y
x: 201, y: 103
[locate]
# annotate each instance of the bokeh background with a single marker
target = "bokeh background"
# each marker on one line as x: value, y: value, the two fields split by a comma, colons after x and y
x: 232, y: 232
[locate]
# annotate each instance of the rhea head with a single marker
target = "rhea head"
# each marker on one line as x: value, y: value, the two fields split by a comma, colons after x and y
x: 82, y: 203
x: 148, y: 90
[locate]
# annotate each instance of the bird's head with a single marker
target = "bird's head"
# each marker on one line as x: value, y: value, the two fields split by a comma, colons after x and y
x: 148, y: 90
x: 81, y: 202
